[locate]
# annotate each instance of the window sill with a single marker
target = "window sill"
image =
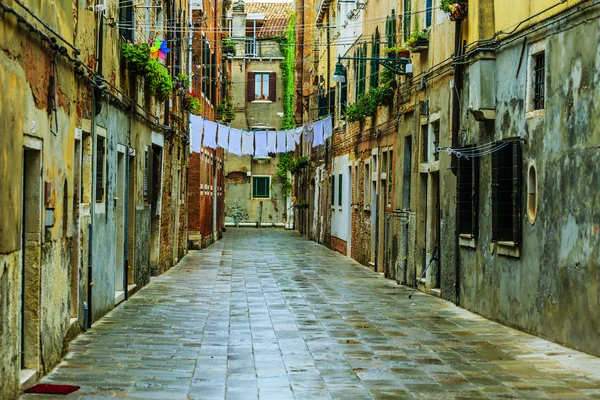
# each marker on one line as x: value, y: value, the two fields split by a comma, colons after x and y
x: 509, y: 249
x: 535, y: 113
x: 261, y: 101
x: 466, y: 240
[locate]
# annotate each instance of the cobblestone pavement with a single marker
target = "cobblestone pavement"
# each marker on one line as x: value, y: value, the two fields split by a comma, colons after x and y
x: 269, y: 314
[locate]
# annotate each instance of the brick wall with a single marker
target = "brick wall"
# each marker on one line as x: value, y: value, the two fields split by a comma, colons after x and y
x: 339, y: 245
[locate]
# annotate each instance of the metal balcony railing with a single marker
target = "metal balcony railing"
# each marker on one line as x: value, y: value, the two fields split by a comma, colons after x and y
x: 251, y: 48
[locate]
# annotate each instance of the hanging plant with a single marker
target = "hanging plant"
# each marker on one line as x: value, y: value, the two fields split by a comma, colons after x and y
x: 183, y: 81
x: 136, y: 55
x: 158, y: 80
x: 456, y: 9
x: 226, y: 110
x: 228, y: 46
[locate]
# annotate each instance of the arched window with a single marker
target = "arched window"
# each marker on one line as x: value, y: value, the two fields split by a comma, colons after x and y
x: 532, y: 200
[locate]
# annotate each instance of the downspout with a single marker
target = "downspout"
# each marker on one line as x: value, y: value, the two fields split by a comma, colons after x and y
x: 458, y: 82
x: 96, y: 109
x: 126, y: 233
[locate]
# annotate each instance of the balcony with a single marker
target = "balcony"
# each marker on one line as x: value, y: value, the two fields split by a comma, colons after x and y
x: 251, y: 47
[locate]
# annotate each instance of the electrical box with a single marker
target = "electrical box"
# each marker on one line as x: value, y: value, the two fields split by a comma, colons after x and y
x: 482, y: 89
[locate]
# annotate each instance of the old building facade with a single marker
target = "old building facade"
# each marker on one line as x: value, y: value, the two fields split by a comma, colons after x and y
x: 210, y: 82
x: 255, y: 193
x: 475, y: 182
x: 93, y: 178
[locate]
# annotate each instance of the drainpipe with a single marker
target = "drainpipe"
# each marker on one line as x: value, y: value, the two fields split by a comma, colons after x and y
x: 126, y: 233
x: 96, y: 109
x: 214, y: 205
x: 458, y: 83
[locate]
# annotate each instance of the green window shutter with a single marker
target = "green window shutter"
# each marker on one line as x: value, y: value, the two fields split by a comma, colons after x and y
x: 260, y: 187
x: 340, y: 191
x: 333, y: 190
x: 406, y: 19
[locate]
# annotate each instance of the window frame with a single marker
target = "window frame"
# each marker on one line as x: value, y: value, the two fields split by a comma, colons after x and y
x: 268, y: 177
x: 467, y: 196
x: 367, y: 185
x: 507, y: 189
x: 536, y: 50
x: 100, y: 164
x: 260, y: 79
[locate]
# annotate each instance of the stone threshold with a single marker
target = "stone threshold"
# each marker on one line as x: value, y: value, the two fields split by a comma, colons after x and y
x: 27, y: 378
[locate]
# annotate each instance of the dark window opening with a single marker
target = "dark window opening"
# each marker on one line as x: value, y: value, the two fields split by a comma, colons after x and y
x: 333, y: 190
x: 506, y: 193
x: 126, y: 27
x: 467, y: 196
x: 100, y: 158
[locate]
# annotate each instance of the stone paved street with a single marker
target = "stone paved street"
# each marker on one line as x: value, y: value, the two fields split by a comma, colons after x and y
x: 269, y: 314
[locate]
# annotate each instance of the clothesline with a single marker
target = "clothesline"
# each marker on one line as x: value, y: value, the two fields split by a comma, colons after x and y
x: 258, y: 143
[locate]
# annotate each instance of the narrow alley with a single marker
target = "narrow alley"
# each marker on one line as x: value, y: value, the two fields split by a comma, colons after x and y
x: 269, y: 314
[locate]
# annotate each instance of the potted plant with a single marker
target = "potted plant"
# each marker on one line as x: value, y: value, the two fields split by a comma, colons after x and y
x: 418, y: 41
x: 397, y: 52
x: 228, y: 46
x: 301, y: 162
x: 192, y: 103
x: 456, y: 9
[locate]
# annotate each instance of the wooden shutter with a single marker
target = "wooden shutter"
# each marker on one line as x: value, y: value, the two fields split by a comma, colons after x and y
x: 333, y: 190
x: 272, y: 86
x: 150, y: 175
x: 495, y: 194
x: 250, y: 86
x: 517, y: 202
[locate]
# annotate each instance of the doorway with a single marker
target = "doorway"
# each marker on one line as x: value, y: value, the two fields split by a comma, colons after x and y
x: 120, y: 226
x: 31, y: 237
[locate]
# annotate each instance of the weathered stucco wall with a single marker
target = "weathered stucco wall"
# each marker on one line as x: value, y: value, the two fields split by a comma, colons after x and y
x: 552, y: 289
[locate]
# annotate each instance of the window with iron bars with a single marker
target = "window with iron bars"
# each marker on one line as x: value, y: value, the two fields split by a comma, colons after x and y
x: 539, y: 82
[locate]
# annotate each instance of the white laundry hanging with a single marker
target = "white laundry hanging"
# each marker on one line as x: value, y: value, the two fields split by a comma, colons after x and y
x: 260, y: 137
x: 223, y: 136
x: 248, y: 142
x: 308, y: 133
x: 318, y: 133
x: 235, y: 138
x: 272, y: 141
x: 298, y: 134
x: 281, y: 141
x: 291, y: 143
x: 327, y: 128
x: 197, y: 126
x: 210, y: 134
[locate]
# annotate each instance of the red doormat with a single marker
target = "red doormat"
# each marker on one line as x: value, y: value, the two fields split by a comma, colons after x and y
x: 48, y: 388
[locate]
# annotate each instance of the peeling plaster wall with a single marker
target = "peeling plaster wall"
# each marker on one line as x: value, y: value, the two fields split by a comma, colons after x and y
x: 552, y: 289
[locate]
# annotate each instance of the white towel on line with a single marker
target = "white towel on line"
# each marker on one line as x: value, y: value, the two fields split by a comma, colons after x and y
x: 272, y: 141
x: 197, y: 125
x: 248, y: 142
x: 318, y: 133
x: 223, y: 136
x: 210, y: 134
x: 281, y: 141
x: 235, y: 138
x: 327, y: 128
x: 260, y: 137
x: 291, y: 142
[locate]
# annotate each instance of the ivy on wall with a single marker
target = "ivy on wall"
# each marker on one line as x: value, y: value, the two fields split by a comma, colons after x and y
x: 288, y: 49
